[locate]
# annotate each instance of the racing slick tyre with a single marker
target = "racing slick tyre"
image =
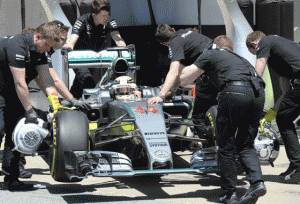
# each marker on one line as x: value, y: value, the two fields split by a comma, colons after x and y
x: 211, y: 117
x: 210, y: 120
x: 70, y: 133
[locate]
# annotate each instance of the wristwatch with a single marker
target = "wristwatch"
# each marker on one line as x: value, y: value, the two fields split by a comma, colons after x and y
x: 161, y: 96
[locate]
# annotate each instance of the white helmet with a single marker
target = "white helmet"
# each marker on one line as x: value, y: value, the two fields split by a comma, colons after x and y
x: 124, y: 88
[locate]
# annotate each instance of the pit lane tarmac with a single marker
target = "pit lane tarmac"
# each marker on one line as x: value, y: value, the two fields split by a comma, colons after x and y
x: 169, y: 189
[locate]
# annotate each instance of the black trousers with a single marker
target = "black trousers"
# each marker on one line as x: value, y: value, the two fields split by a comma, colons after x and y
x: 2, y: 129
x: 239, y: 111
x: 13, y: 111
x: 288, y: 111
x: 206, y: 95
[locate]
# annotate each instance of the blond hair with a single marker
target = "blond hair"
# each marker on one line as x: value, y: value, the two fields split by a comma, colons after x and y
x: 49, y: 31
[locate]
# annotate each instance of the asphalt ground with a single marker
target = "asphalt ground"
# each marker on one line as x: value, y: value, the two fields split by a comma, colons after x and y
x: 175, y: 188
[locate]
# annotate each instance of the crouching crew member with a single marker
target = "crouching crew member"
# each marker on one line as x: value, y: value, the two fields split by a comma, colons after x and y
x: 283, y: 56
x: 240, y: 104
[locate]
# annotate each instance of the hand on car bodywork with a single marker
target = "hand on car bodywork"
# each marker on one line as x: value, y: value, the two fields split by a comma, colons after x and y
x: 53, y: 99
x: 31, y: 116
x: 81, y: 105
x: 155, y: 100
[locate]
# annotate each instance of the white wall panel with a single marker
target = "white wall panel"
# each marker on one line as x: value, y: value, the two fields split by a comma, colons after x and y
x: 10, y: 17
x: 130, y: 12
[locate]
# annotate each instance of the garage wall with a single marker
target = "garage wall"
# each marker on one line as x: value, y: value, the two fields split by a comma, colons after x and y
x: 35, y: 14
x: 296, y: 13
x: 10, y: 16
x: 10, y: 25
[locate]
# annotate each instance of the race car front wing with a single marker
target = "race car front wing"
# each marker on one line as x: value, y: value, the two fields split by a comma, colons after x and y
x: 113, y: 164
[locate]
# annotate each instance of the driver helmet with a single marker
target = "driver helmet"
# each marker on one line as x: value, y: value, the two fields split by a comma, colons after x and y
x: 124, y: 88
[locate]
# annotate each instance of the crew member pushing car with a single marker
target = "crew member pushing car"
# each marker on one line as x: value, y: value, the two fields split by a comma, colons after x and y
x: 185, y: 46
x: 93, y: 31
x: 283, y: 56
x: 239, y: 109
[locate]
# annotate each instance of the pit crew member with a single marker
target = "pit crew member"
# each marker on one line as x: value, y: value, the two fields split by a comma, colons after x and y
x: 22, y: 58
x: 59, y: 84
x: 239, y: 108
x: 93, y: 31
x: 283, y: 56
x: 185, y: 46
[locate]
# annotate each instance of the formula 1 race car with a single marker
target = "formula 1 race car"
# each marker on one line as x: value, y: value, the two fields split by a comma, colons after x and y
x: 122, y: 135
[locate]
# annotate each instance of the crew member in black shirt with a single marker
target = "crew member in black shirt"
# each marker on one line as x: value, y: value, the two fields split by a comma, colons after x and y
x: 185, y: 46
x: 22, y: 59
x: 93, y: 31
x: 283, y: 56
x: 239, y: 108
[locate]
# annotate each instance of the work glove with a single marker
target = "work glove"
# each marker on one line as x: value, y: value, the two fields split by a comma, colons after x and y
x: 53, y: 99
x: 65, y: 50
x: 31, y: 116
x: 81, y: 105
x: 269, y: 117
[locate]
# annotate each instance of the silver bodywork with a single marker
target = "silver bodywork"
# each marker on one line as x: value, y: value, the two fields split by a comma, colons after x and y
x: 131, y: 137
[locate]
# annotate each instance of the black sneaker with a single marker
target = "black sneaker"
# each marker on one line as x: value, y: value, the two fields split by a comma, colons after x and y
x: 229, y: 198
x: 17, y: 186
x: 290, y: 173
x: 23, y: 173
x: 256, y: 190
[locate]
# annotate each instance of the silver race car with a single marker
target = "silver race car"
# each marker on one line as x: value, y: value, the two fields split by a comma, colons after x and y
x: 122, y: 135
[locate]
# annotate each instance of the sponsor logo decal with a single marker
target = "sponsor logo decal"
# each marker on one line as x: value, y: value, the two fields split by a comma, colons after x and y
x: 154, y: 133
x: 8, y: 37
x: 113, y: 24
x: 77, y: 25
x: 156, y: 138
x: 158, y: 144
x: 161, y: 154
x: 20, y: 57
x: 89, y: 27
x: 186, y: 34
x: 170, y: 53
